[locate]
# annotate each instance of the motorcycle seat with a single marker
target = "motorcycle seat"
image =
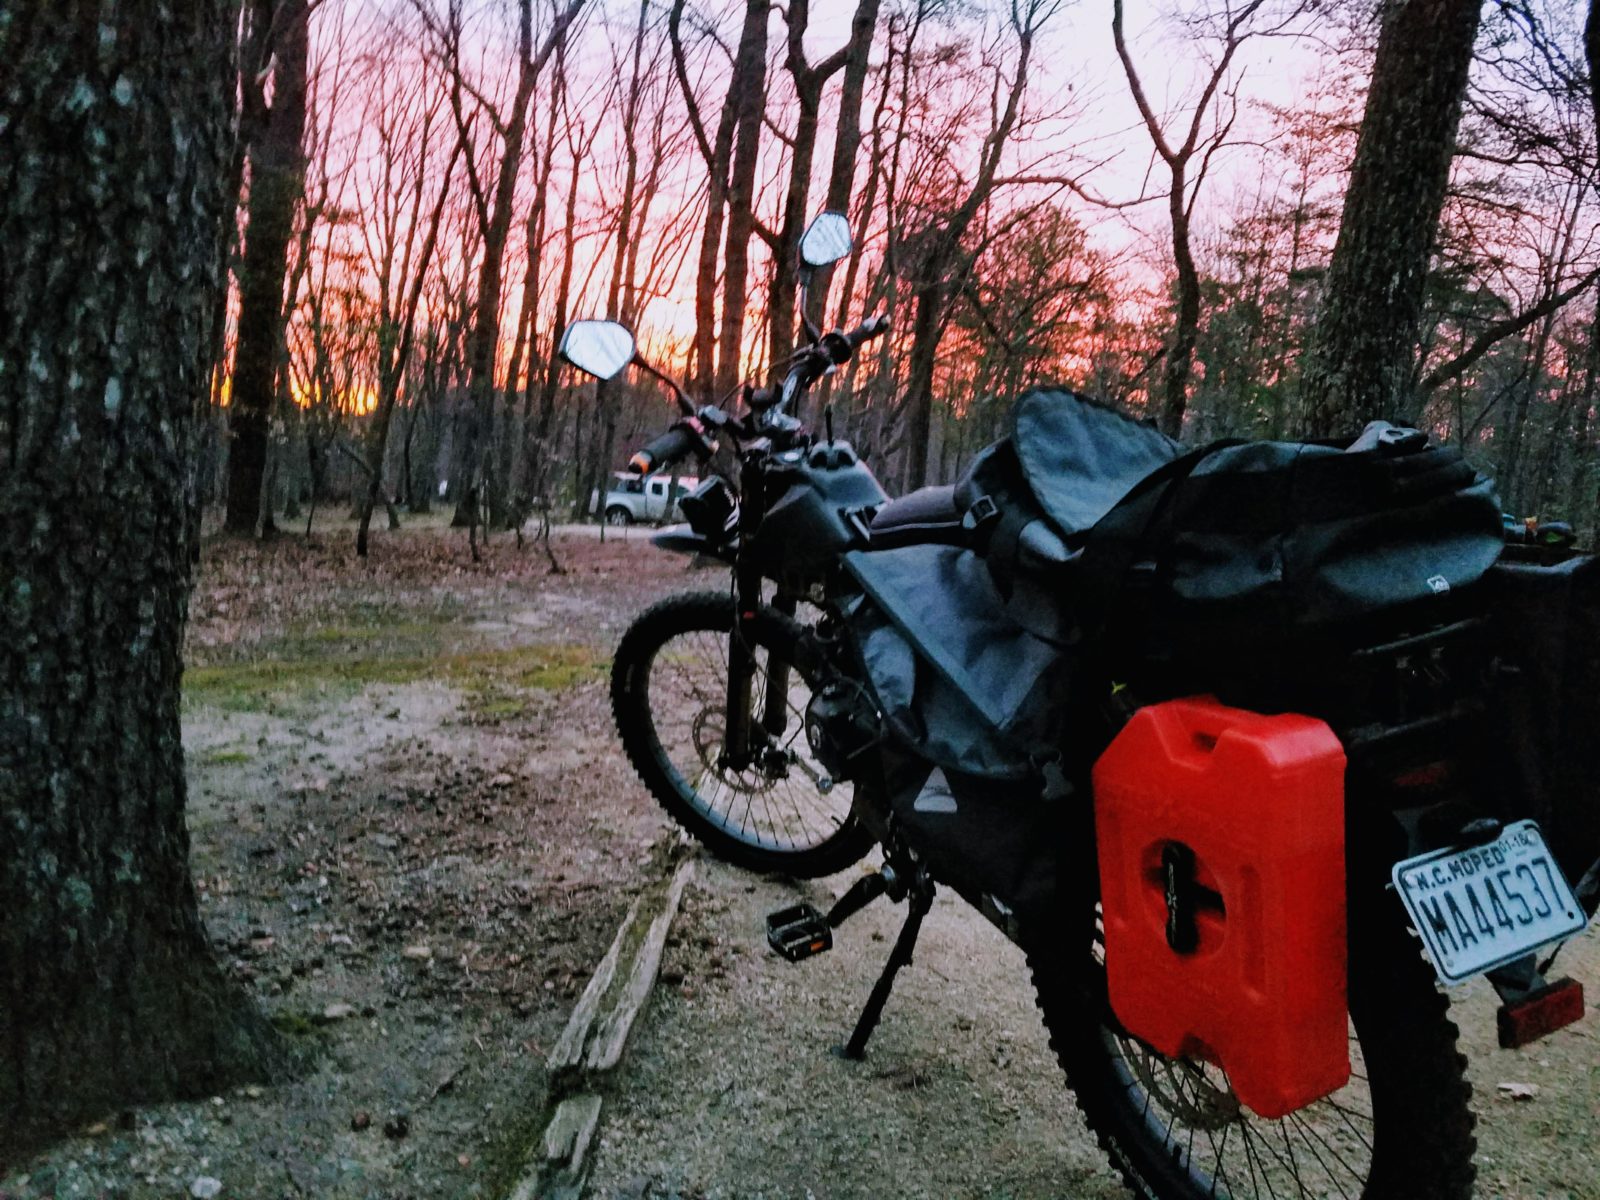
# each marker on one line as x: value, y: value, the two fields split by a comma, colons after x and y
x: 927, y: 515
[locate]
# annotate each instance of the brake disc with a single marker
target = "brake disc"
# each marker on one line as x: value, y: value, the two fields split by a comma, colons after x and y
x: 708, y: 733
x: 1182, y: 1088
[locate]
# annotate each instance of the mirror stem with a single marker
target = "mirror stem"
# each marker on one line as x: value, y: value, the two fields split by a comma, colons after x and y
x: 685, y: 404
x: 812, y: 331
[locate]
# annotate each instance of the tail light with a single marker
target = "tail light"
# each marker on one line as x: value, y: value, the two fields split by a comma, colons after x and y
x: 1552, y: 1007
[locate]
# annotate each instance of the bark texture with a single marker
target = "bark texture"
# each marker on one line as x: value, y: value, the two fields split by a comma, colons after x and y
x: 115, y: 141
x: 1361, y: 365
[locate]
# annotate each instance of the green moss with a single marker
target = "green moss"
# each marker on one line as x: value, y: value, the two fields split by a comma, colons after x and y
x: 492, y: 678
x: 267, y: 685
x: 224, y: 758
x: 554, y: 668
x: 294, y: 1024
x: 489, y: 704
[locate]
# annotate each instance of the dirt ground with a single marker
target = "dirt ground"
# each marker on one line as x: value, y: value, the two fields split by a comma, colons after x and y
x: 414, y: 837
x: 731, y: 1090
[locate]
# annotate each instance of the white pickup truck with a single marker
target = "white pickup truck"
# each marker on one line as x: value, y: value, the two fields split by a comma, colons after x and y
x: 644, y: 497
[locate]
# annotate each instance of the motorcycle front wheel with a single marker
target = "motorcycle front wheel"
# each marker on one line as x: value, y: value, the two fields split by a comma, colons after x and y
x: 778, y: 812
x: 1401, y: 1129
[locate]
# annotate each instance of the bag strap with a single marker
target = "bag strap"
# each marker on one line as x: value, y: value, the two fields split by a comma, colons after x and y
x: 1115, y: 542
x: 998, y: 543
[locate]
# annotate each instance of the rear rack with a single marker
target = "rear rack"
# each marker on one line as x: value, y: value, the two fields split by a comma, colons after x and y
x: 1426, y: 640
x: 1414, y: 686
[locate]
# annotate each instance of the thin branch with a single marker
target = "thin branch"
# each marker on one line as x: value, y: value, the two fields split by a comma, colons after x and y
x: 1500, y: 330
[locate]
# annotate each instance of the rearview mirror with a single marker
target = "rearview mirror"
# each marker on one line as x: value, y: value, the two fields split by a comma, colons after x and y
x: 826, y: 240
x: 598, y: 348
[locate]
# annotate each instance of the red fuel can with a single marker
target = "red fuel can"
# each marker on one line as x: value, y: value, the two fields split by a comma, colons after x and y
x: 1221, y: 842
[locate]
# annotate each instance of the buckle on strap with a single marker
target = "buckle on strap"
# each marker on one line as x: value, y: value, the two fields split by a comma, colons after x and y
x: 981, y: 513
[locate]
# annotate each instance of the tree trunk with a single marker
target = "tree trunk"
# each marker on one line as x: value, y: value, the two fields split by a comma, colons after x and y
x: 277, y: 177
x: 1185, y: 332
x: 717, y: 154
x: 751, y: 70
x: 1584, y: 444
x: 113, y: 171
x: 846, y: 144
x: 484, y: 339
x: 537, y: 460
x: 1360, y: 364
x: 394, y: 347
x: 925, y: 332
x: 808, y: 85
x: 944, y: 250
x: 1591, y: 53
x: 809, y: 82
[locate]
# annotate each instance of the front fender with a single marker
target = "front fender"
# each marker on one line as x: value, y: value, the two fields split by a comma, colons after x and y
x: 680, y: 539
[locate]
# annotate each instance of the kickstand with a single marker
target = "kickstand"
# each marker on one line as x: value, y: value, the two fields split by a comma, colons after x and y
x: 921, y: 899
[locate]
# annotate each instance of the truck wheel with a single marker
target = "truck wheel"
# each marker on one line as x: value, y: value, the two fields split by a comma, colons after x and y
x: 619, y: 516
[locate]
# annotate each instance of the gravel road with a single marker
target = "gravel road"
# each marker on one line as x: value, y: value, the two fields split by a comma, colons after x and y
x: 730, y: 1089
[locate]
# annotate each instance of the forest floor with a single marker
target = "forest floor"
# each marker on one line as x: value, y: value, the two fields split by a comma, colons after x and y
x: 413, y: 838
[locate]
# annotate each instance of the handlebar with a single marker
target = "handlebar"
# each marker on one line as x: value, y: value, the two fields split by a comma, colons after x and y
x: 870, y: 328
x: 812, y: 362
x: 688, y: 436
x: 692, y: 436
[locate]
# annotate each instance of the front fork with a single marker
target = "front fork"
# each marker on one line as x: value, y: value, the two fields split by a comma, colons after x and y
x: 742, y: 743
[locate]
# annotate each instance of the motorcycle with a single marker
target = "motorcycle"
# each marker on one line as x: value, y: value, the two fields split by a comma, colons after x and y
x: 893, y: 673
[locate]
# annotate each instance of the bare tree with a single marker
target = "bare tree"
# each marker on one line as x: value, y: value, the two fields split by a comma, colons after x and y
x: 717, y: 151
x: 1360, y: 363
x: 1194, y: 152
x: 809, y: 80
x: 277, y: 174
x: 495, y: 216
x: 940, y: 244
x: 399, y: 244
x: 749, y: 103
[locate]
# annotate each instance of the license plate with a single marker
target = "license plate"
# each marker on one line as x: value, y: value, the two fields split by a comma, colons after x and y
x: 1483, y: 907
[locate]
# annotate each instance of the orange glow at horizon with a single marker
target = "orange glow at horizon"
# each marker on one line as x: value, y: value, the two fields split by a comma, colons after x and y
x: 358, y: 399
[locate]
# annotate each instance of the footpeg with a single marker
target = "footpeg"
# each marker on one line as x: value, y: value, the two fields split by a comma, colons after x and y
x: 799, y: 932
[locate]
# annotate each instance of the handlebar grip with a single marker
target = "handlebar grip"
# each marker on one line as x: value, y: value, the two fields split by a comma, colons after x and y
x: 667, y: 449
x: 870, y: 328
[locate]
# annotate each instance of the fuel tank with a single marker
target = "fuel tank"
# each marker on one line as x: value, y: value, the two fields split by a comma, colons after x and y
x: 809, y: 494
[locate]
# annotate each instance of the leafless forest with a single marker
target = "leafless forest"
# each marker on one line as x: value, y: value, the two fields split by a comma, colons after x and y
x: 1143, y: 205
x: 270, y: 258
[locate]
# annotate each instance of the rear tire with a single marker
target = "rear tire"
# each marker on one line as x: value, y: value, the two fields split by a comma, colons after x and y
x: 668, y: 693
x: 1400, y: 1130
x: 618, y: 516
